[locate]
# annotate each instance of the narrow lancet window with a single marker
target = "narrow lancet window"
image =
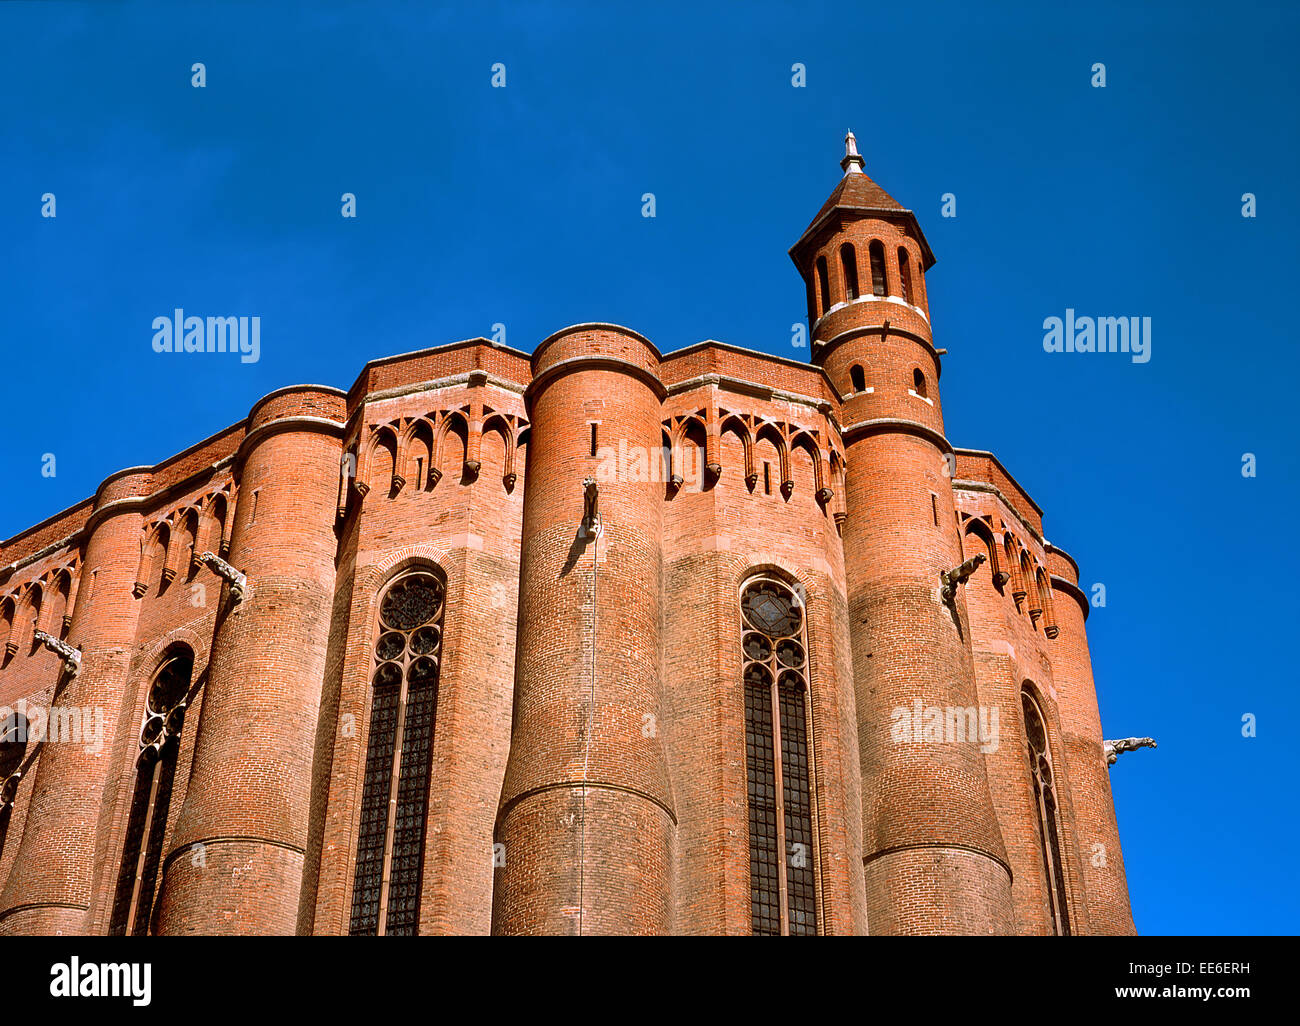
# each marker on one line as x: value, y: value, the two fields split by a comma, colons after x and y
x: 783, y: 898
x: 146, y: 825
x: 395, y: 791
x: 1044, y: 785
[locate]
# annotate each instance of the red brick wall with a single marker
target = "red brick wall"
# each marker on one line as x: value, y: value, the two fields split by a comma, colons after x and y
x: 617, y: 800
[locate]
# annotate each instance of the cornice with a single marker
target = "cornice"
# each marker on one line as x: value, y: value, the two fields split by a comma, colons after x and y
x: 594, y: 362
x: 852, y: 432
x: 983, y: 486
x: 1073, y: 590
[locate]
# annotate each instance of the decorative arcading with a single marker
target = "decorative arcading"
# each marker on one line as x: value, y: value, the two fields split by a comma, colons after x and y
x: 171, y: 544
x: 707, y: 426
x: 43, y: 604
x: 419, y: 451
x: 1014, y: 564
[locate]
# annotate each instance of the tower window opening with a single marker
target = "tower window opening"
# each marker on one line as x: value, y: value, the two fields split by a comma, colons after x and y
x: 767, y: 478
x: 593, y: 438
x: 823, y: 284
x: 878, y: 283
x: 905, y: 275
x: 918, y: 382
x: 849, y: 262
x: 858, y: 378
x: 934, y: 508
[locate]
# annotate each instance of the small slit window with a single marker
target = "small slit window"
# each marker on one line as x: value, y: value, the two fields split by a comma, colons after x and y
x: 918, y: 383
x: 858, y: 378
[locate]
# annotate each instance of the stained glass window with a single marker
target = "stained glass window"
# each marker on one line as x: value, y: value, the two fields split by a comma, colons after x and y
x: 1040, y: 773
x: 404, y: 699
x: 783, y: 892
x: 146, y: 825
x: 13, y: 746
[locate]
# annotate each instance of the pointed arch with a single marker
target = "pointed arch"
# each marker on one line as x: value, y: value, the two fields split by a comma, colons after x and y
x: 28, y: 613
x: 60, y: 611
x: 218, y: 540
x: 1043, y: 588
x: 381, y: 466
x: 8, y: 628
x: 732, y: 433
x: 419, y: 450
x: 823, y: 286
x: 770, y: 434
x: 816, y: 484
x: 691, y: 441
x: 1012, y: 551
x: 169, y: 694
x: 1043, y: 786
x: 983, y: 535
x: 153, y: 569
x: 388, y: 878
x: 495, y: 443
x: 779, y: 760
x: 453, y: 446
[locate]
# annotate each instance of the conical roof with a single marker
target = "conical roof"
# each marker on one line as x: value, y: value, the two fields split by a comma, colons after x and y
x: 857, y: 191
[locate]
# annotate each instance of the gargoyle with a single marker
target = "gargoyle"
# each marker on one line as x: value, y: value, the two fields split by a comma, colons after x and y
x: 238, y: 582
x: 1113, y: 749
x: 953, y: 578
x: 71, y: 657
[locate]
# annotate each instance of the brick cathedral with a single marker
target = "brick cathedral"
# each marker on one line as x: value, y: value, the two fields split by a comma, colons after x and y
x: 595, y: 640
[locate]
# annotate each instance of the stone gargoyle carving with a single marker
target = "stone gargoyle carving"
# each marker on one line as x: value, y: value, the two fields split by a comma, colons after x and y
x: 71, y: 657
x: 1113, y: 749
x: 238, y: 582
x: 953, y: 578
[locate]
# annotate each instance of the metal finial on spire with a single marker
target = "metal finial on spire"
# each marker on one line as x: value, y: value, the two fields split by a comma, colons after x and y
x: 852, y: 163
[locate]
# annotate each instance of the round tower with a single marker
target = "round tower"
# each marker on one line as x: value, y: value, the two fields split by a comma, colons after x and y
x: 235, y: 861
x: 1105, y: 886
x: 584, y: 836
x: 49, y: 890
x: 933, y: 853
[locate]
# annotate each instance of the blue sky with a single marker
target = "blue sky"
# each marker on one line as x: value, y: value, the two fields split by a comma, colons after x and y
x: 522, y: 206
